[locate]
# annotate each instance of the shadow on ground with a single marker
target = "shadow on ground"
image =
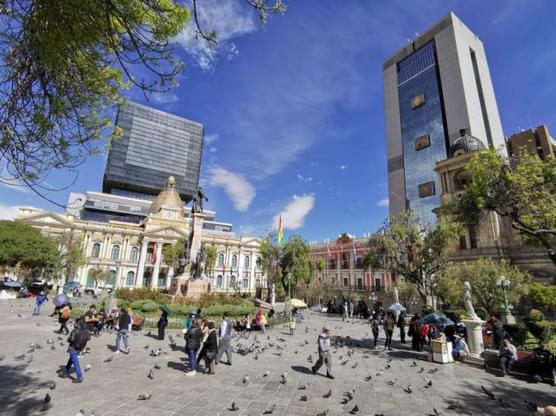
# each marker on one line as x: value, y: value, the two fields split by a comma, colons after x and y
x: 15, y: 385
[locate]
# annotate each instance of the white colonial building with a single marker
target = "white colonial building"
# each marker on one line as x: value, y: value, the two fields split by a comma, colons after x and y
x: 125, y: 237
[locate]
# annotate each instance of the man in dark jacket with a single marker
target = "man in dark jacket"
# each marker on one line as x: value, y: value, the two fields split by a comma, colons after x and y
x: 77, y: 340
x: 162, y: 324
x: 401, y: 325
x: 123, y: 329
x: 193, y: 338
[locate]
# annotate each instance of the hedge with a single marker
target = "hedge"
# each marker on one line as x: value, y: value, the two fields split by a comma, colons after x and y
x: 150, y: 306
x: 542, y: 330
x: 518, y: 332
x: 535, y: 315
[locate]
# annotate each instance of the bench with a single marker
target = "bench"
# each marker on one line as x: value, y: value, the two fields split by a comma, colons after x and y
x: 137, y: 323
x: 520, y: 368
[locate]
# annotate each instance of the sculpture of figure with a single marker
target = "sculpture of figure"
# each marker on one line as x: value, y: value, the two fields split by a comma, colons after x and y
x: 467, y: 301
x: 200, y: 261
x: 198, y: 200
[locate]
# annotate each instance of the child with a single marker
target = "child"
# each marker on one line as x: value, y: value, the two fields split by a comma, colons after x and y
x: 292, y: 325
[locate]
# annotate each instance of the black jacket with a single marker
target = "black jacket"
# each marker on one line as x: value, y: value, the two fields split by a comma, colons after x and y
x: 211, y: 344
x: 193, y: 338
x: 124, y: 321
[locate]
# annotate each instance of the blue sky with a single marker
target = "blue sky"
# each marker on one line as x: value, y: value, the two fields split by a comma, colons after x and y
x: 293, y: 110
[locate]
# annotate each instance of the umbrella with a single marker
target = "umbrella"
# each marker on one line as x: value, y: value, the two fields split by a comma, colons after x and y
x: 436, y: 318
x: 397, y: 307
x: 298, y: 303
x: 61, y: 299
x: 166, y: 309
x: 12, y: 285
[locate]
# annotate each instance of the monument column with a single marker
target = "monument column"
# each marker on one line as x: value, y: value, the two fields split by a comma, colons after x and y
x: 251, y: 281
x: 156, y: 271
x: 141, y: 266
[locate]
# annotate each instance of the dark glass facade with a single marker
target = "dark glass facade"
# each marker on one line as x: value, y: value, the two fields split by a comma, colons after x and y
x: 154, y: 146
x: 421, y: 116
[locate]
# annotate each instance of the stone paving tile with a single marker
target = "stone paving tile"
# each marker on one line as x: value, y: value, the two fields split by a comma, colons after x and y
x: 111, y: 388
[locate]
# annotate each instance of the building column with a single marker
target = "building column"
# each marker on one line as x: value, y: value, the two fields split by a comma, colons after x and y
x: 156, y: 270
x: 141, y: 266
x: 251, y: 281
x: 240, y: 270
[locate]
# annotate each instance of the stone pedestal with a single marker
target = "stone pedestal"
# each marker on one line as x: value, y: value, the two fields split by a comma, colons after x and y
x: 197, y: 229
x: 197, y: 288
x: 178, y: 286
x: 475, y: 339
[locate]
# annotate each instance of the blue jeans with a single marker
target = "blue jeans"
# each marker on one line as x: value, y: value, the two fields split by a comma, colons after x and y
x: 74, y: 360
x: 192, y: 354
x: 122, y: 333
x: 37, y: 310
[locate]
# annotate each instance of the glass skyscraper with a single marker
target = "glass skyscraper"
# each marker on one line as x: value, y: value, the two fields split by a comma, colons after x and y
x: 154, y: 146
x: 435, y: 86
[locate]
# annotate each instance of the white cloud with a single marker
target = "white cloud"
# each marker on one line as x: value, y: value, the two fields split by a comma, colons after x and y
x: 303, y: 178
x: 15, y: 185
x: 385, y: 202
x: 213, y: 149
x: 228, y: 19
x: 293, y: 216
x: 240, y: 192
x: 343, y: 167
x: 164, y: 98
x: 211, y: 138
x: 8, y: 212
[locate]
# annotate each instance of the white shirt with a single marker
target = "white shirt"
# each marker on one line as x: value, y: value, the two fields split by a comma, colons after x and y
x: 223, y: 328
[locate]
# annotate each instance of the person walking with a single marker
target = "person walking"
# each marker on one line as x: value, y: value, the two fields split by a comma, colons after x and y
x: 193, y: 339
x: 423, y: 332
x: 204, y: 325
x: 388, y: 326
x: 325, y: 357
x: 292, y: 325
x: 260, y: 320
x: 414, y: 332
x: 123, y: 331
x: 375, y: 325
x: 224, y: 346
x: 345, y: 312
x: 64, y: 316
x: 77, y: 340
x: 39, y: 301
x: 351, y: 308
x: 401, y: 325
x: 210, y: 348
x: 162, y: 324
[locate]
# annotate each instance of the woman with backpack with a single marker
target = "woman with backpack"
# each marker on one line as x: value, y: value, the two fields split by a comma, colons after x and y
x: 64, y: 316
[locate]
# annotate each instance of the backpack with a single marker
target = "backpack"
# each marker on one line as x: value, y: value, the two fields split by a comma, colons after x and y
x: 65, y: 313
x: 80, y: 338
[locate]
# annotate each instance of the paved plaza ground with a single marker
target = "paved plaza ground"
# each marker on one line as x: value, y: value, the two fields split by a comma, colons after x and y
x: 112, y: 388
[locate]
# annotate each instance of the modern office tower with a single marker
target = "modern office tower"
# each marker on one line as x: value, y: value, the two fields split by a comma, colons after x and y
x: 154, y: 146
x: 535, y: 141
x: 434, y: 87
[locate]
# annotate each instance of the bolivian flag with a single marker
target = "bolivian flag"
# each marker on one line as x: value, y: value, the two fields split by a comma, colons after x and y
x: 280, y: 231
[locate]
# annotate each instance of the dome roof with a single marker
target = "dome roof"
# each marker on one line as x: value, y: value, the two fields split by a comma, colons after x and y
x: 168, y: 198
x: 465, y: 144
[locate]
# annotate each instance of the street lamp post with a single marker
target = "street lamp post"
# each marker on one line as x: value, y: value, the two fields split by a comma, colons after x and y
x: 504, y: 284
x: 373, y: 299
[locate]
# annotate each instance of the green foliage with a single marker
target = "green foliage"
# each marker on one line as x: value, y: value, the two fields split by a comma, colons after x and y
x: 482, y: 274
x: 179, y: 310
x: 244, y: 308
x: 455, y: 314
x: 24, y: 246
x: 211, y: 255
x: 535, y: 315
x: 542, y: 296
x: 150, y: 306
x: 295, y: 262
x: 70, y: 257
x: 172, y: 253
x: 270, y: 257
x: 522, y: 189
x: 137, y: 305
x: 542, y: 330
x: 518, y: 333
x: 417, y: 254
x: 123, y: 304
x: 140, y: 293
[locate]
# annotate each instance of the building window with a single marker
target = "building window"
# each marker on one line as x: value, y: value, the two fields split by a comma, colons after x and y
x: 345, y: 261
x: 90, y: 279
x: 462, y: 243
x: 422, y: 142
x: 232, y: 282
x: 234, y: 261
x: 472, y: 237
x: 220, y: 262
x: 378, y: 284
x: 332, y: 263
x: 111, y: 279
x: 245, y: 283
x: 134, y: 254
x: 259, y: 263
x: 359, y: 283
x: 247, y: 261
x: 115, y: 255
x: 219, y: 280
x: 130, y: 279
x: 258, y: 283
x: 346, y: 281
x: 426, y: 189
x: 417, y: 101
x: 359, y: 263
x: 95, y: 251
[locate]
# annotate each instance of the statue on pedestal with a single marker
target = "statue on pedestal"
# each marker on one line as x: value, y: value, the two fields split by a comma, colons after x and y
x: 467, y: 301
x: 198, y: 197
x: 198, y: 267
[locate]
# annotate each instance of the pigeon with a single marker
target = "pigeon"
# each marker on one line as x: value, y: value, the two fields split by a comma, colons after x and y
x: 266, y: 373
x: 355, y: 410
x: 344, y: 362
x: 171, y: 339
x: 305, y: 398
x: 245, y: 379
x: 349, y: 395
x: 50, y: 341
x: 414, y: 364
x: 256, y: 356
x: 354, y: 365
x: 327, y: 394
x: 81, y: 412
x: 487, y: 392
x: 30, y: 358
x: 429, y: 384
x: 435, y: 412
x: 434, y: 370
x: 146, y: 347
x: 144, y: 396
x: 323, y: 413
x: 19, y: 315
x: 368, y: 378
x: 421, y: 370
x: 233, y: 407
x: 304, y: 387
x: 150, y: 375
x: 310, y: 358
x: 454, y: 405
x: 20, y: 357
x: 270, y: 410
x: 157, y: 366
x: 503, y: 403
x: 391, y: 382
x: 87, y: 367
x: 52, y: 385
x: 47, y: 398
x: 387, y: 366
x: 52, y: 347
x: 109, y: 359
x: 408, y: 390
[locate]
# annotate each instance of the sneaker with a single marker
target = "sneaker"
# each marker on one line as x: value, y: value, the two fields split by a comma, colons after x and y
x: 191, y: 373
x: 313, y: 370
x: 77, y: 380
x: 328, y: 375
x: 117, y: 352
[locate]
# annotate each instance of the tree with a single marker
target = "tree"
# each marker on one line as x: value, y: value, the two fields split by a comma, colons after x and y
x: 270, y: 257
x: 23, y: 246
x: 173, y: 252
x: 482, y: 274
x: 70, y: 256
x: 522, y: 188
x: 211, y: 254
x: 65, y: 63
x: 542, y: 296
x: 408, y: 249
x: 99, y: 275
x: 407, y: 291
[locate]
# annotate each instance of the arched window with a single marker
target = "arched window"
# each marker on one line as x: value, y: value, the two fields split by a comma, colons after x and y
x: 247, y: 261
x: 234, y: 261
x: 115, y: 255
x: 95, y: 251
x: 112, y: 279
x: 134, y: 254
x: 90, y: 279
x: 220, y: 260
x: 232, y: 282
x: 259, y: 263
x: 130, y: 279
x: 219, y: 280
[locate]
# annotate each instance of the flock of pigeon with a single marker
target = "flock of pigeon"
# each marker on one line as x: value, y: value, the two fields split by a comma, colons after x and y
x: 345, y: 349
